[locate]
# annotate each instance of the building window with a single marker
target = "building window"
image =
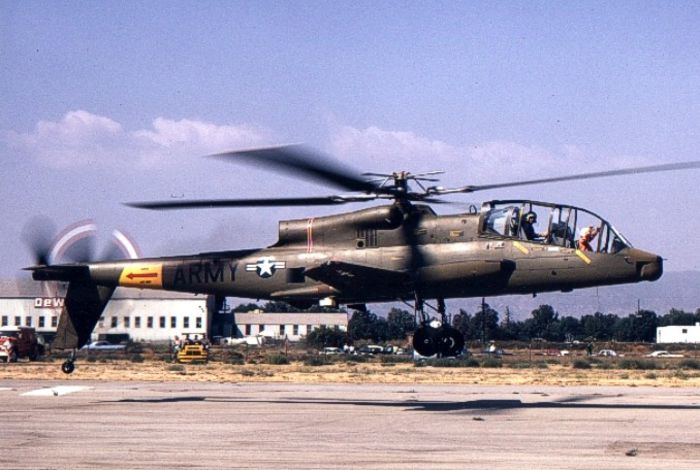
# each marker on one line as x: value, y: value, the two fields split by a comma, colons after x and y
x: 149, y: 322
x: 295, y: 330
x: 186, y: 322
x: 137, y: 322
x: 54, y: 321
x: 5, y: 320
x: 685, y: 331
x: 308, y: 329
x: 162, y: 322
x: 127, y: 322
x: 261, y: 328
x: 247, y: 330
x: 173, y: 322
x: 100, y: 323
x: 41, y: 322
x: 198, y: 322
x: 18, y: 321
x: 281, y: 330
x: 28, y: 321
x: 114, y: 322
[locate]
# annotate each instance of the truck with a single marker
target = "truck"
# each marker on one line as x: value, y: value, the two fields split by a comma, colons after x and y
x: 22, y: 343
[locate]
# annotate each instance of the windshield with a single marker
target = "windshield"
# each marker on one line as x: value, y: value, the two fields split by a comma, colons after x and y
x: 551, y: 224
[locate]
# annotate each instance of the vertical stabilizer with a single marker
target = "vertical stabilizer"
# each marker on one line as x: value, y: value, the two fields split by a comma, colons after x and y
x: 85, y: 302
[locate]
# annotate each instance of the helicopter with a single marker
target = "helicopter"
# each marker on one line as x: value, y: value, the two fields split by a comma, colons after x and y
x: 400, y: 250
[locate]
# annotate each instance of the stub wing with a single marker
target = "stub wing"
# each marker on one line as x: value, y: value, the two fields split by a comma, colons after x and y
x: 355, y: 279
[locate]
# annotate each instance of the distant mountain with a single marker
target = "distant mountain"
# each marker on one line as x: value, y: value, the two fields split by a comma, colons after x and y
x: 679, y: 290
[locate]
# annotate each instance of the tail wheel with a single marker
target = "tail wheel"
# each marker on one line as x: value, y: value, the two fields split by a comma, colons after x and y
x: 68, y: 367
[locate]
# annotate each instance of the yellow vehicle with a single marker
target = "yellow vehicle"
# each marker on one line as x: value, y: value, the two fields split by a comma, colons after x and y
x: 192, y: 351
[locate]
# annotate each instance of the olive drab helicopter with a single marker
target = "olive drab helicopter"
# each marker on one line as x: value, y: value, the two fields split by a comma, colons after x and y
x: 398, y: 251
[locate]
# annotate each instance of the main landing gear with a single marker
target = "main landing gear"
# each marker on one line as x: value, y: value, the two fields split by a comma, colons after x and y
x: 68, y: 365
x: 428, y: 340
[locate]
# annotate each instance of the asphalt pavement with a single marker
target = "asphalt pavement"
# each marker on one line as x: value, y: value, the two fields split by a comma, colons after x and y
x: 76, y: 424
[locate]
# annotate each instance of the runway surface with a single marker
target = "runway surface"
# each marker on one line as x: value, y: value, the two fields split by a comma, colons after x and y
x: 76, y: 424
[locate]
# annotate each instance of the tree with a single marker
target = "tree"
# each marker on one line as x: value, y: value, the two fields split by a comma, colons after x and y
x: 360, y: 325
x: 462, y: 322
x: 249, y: 307
x: 677, y: 317
x: 544, y: 324
x: 570, y: 328
x: 400, y: 323
x: 484, y: 324
x: 326, y: 337
x: 598, y: 326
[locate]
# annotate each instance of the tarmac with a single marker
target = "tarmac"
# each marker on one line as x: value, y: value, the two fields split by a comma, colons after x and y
x: 78, y: 424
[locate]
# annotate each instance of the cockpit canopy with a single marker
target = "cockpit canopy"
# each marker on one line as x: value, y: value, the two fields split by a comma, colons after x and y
x: 550, y: 224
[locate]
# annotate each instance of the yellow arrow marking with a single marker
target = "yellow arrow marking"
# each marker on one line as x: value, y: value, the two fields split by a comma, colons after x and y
x: 583, y: 256
x: 142, y: 275
x: 523, y: 249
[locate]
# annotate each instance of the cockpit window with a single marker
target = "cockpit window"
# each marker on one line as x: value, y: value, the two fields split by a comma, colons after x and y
x: 556, y: 225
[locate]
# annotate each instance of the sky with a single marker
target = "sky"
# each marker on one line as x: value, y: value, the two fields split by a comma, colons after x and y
x: 109, y: 102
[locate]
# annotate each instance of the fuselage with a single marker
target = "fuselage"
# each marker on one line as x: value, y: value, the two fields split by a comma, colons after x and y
x: 384, y: 254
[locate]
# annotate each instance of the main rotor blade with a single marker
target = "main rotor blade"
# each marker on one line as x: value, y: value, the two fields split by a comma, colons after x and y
x: 300, y: 160
x: 266, y: 202
x: 581, y: 176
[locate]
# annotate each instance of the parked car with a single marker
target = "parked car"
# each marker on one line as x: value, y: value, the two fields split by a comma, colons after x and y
x: 331, y: 351
x: 663, y: 354
x: 606, y: 353
x: 371, y: 349
x: 103, y: 346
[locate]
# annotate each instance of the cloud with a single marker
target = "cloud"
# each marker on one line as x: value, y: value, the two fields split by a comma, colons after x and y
x: 81, y: 138
x: 483, y: 161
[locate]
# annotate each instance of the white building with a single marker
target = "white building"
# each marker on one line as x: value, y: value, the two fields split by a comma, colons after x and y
x: 143, y: 315
x: 678, y: 334
x: 293, y: 326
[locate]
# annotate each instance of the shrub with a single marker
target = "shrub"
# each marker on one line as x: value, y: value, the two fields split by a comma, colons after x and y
x: 176, y: 368
x: 316, y: 361
x: 356, y: 358
x: 451, y: 362
x: 689, y: 364
x: 638, y: 364
x: 234, y: 357
x: 395, y: 359
x: 136, y: 358
x: 491, y: 362
x: 581, y: 364
x: 277, y: 359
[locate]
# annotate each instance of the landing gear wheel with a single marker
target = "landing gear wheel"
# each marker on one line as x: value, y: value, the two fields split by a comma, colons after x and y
x: 450, y: 341
x: 425, y: 341
x: 68, y: 367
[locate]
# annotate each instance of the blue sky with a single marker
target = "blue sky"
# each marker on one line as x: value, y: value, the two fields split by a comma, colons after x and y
x: 111, y: 102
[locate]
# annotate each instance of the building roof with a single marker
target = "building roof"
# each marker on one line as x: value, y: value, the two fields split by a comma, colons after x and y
x: 27, y: 288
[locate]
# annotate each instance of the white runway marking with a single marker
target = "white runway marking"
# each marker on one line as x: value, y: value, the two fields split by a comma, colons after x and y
x: 55, y: 391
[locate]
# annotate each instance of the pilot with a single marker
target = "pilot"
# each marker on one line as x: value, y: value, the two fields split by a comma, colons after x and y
x: 528, y: 226
x: 515, y: 218
x: 586, y: 237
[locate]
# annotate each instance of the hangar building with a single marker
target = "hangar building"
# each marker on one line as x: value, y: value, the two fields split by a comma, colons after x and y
x: 152, y: 315
x: 143, y: 315
x: 678, y: 334
x: 292, y: 326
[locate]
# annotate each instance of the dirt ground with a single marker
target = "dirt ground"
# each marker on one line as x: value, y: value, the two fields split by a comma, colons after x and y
x: 563, y: 374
